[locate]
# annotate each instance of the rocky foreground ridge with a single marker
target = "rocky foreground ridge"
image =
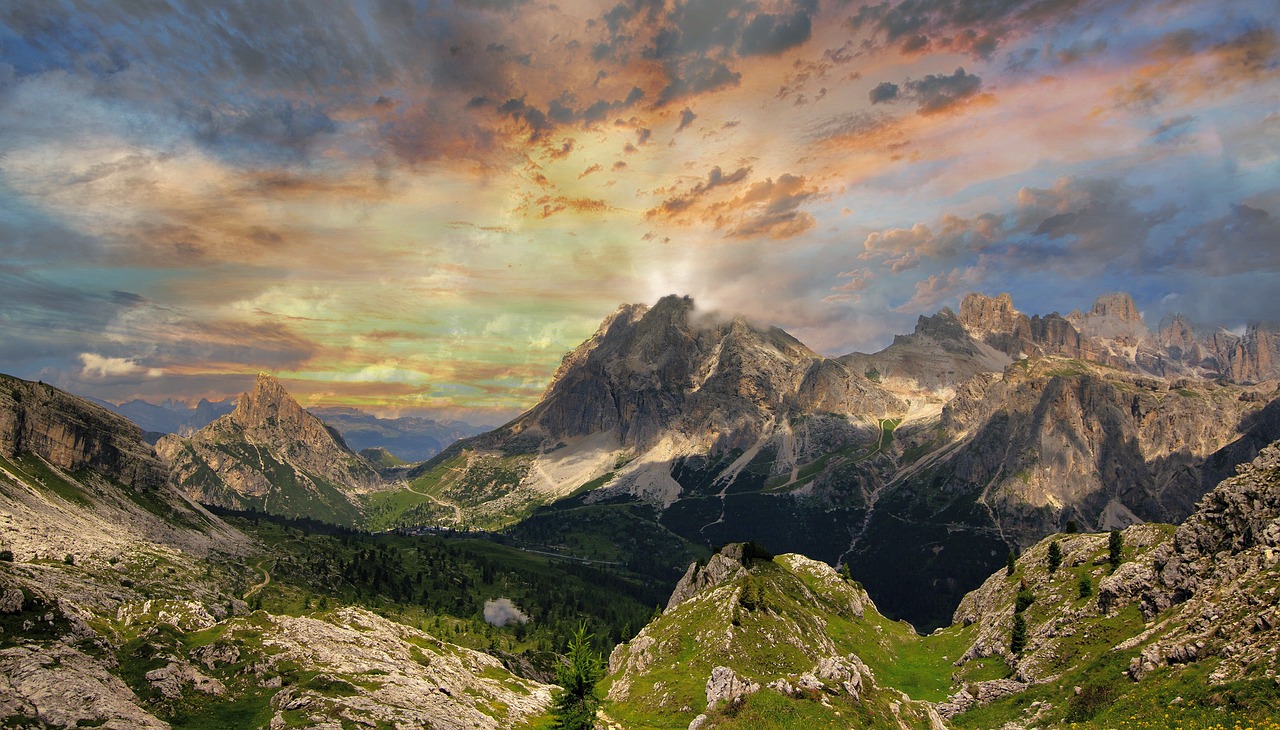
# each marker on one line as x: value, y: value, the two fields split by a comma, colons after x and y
x: 1185, y: 628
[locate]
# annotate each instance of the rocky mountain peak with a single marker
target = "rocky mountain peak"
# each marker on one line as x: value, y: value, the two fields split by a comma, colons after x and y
x: 269, y: 408
x: 981, y: 314
x: 283, y: 453
x: 1176, y: 331
x: 1117, y: 304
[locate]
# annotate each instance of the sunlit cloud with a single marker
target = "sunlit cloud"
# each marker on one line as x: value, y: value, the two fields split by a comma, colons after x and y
x: 411, y: 208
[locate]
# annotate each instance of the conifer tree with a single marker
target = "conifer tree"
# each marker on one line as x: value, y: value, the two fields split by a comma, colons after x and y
x: 575, y: 705
x: 1018, y: 640
x: 1115, y: 549
x: 1055, y: 557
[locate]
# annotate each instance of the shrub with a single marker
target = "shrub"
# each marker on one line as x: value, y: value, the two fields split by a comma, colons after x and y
x: 69, y: 559
x: 6, y: 556
x: 1092, y: 698
x: 752, y: 597
x: 1086, y: 586
x: 1025, y: 598
x: 753, y: 551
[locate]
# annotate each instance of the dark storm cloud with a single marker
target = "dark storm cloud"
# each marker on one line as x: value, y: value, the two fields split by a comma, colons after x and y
x: 932, y: 94
x: 698, y: 40
x: 935, y: 93
x: 974, y: 28
x: 771, y: 34
x: 884, y: 91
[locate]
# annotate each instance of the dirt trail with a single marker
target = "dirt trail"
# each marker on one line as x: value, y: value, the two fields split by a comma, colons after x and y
x: 457, y: 511
x: 266, y: 579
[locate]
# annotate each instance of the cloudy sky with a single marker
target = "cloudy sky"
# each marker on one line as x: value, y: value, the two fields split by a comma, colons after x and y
x: 419, y: 207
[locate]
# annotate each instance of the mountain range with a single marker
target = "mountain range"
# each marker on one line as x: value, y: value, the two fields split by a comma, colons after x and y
x: 125, y: 603
x: 921, y: 466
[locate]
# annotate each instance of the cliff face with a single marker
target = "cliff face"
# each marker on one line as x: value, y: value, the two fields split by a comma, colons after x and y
x: 271, y: 454
x: 1255, y: 356
x: 1102, y: 449
x: 72, y: 433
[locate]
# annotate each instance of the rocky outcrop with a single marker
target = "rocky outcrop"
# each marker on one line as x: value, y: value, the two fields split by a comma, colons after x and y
x: 271, y: 454
x: 419, y: 680
x: 1240, y: 516
x: 61, y: 686
x: 72, y: 433
x: 725, y: 686
x: 175, y: 677
x: 727, y: 564
x: 758, y: 625
x: 978, y: 694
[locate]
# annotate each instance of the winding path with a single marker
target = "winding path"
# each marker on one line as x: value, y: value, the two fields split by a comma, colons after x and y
x: 266, y: 579
x: 457, y: 511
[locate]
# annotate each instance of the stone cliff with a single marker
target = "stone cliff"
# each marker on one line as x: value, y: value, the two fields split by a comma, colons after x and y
x: 72, y: 433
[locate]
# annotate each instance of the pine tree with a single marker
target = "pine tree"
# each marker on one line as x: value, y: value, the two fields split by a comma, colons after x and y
x: 1055, y: 557
x: 1010, y: 564
x: 1115, y: 549
x: 576, y: 703
x: 1018, y: 640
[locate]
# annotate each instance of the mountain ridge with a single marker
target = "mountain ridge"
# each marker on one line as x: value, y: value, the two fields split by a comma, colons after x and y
x: 999, y: 425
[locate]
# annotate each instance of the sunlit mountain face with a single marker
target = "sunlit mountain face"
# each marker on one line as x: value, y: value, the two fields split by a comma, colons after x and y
x: 420, y: 207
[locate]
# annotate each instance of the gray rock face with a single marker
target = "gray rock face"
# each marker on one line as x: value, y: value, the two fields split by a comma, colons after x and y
x: 11, y: 600
x: 171, y: 679
x: 72, y: 433
x: 725, y: 686
x: 724, y: 566
x: 1105, y: 449
x: 65, y: 688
